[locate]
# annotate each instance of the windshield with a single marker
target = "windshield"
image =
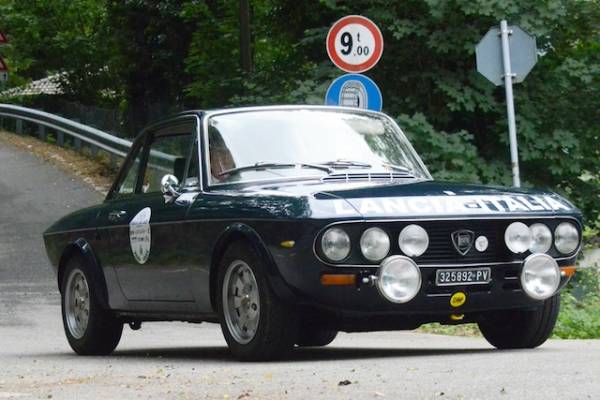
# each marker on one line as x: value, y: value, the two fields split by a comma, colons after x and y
x: 294, y: 143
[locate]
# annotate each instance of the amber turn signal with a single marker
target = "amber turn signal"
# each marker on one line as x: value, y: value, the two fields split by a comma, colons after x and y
x: 568, y: 271
x: 338, y: 279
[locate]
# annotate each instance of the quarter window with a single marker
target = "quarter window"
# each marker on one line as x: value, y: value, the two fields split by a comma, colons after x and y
x: 129, y: 182
x: 169, y: 154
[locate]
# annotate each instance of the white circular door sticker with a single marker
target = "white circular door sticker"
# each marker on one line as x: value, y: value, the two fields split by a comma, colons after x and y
x: 139, y: 235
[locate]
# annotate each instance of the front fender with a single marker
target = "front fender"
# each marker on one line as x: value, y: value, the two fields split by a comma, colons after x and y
x: 82, y: 248
x: 240, y: 231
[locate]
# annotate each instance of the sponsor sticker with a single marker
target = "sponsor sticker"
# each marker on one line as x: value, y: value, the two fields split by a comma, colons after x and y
x: 139, y: 235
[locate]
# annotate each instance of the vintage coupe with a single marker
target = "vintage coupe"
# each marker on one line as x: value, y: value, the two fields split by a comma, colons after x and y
x: 288, y: 224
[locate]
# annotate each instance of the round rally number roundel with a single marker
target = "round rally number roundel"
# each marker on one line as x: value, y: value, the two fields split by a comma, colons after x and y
x: 354, y: 44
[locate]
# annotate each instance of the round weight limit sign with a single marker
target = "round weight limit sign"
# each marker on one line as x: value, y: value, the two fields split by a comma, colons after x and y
x: 354, y: 44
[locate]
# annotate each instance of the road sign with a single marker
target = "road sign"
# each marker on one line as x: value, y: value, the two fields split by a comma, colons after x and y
x: 523, y: 55
x: 505, y: 55
x: 3, y: 39
x: 3, y: 76
x: 354, y: 44
x: 354, y: 90
x: 3, y: 66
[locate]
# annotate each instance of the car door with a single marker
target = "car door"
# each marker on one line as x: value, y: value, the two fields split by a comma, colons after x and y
x: 145, y: 225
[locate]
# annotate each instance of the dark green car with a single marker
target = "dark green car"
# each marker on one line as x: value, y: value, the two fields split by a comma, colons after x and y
x: 289, y: 224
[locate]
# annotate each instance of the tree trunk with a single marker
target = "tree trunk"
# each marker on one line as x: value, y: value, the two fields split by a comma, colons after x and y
x: 245, y: 37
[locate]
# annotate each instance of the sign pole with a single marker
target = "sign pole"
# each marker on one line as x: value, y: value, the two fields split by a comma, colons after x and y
x: 510, y: 105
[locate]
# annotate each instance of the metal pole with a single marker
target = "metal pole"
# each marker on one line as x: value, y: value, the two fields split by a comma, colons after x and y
x: 510, y: 105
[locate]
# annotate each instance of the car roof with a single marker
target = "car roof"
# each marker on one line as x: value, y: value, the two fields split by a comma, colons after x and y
x: 200, y: 112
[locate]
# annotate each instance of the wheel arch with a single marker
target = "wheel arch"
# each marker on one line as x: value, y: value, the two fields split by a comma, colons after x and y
x: 242, y: 232
x: 81, y: 247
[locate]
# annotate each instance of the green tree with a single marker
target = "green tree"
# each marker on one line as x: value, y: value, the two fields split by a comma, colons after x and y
x: 61, y: 36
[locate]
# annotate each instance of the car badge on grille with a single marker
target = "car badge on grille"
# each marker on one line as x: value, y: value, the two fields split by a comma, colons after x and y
x: 463, y: 240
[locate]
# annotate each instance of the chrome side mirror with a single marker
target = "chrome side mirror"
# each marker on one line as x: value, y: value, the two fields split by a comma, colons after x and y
x: 168, y: 183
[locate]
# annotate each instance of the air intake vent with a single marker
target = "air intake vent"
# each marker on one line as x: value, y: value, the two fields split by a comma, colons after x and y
x: 366, y: 177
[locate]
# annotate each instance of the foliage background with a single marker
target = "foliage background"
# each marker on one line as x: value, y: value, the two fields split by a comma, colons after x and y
x: 148, y: 58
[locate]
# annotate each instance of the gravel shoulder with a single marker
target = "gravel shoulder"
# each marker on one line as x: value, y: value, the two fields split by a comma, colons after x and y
x: 92, y: 171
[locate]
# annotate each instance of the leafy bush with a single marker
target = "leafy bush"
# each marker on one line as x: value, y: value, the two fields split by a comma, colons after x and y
x: 579, y: 317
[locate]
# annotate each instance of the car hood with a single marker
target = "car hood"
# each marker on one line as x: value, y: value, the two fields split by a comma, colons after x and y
x: 421, y: 199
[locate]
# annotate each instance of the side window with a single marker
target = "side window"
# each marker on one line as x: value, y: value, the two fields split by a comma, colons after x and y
x: 127, y: 186
x: 169, y: 154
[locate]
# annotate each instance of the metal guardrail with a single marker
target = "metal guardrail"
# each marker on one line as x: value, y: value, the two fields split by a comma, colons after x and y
x: 81, y: 133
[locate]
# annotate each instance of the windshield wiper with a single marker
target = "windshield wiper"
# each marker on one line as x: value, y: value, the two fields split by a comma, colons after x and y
x: 361, y: 164
x: 397, y: 168
x: 340, y: 162
x: 264, y: 165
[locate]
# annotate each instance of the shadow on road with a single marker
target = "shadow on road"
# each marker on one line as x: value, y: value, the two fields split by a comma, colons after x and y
x: 298, y: 355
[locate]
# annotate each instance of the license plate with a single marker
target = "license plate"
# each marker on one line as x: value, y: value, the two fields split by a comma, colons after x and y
x: 464, y: 276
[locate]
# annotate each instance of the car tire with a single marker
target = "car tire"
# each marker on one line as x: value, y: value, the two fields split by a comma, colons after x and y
x: 90, y: 329
x: 315, y: 337
x: 256, y: 324
x: 521, y: 329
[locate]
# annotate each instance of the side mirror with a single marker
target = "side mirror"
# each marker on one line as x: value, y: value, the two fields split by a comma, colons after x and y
x: 168, y: 183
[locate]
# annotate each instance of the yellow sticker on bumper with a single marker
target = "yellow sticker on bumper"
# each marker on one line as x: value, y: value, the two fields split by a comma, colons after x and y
x: 458, y: 299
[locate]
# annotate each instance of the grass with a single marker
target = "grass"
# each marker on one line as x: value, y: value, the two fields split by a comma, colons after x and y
x: 579, y: 317
x: 453, y: 330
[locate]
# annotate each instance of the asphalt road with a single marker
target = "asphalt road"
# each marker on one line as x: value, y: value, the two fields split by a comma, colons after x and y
x: 178, y: 360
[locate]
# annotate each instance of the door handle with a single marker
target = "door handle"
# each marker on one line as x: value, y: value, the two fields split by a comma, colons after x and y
x: 116, y: 216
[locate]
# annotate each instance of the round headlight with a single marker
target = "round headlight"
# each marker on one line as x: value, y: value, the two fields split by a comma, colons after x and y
x: 540, y: 276
x: 566, y: 238
x: 413, y: 240
x: 541, y: 238
x: 335, y: 244
x: 517, y: 237
x: 399, y: 279
x: 374, y: 244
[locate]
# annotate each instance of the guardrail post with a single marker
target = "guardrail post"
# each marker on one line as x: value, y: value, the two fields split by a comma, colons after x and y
x: 94, y: 150
x: 60, y: 138
x: 19, y: 126
x: 42, y: 132
x: 77, y: 143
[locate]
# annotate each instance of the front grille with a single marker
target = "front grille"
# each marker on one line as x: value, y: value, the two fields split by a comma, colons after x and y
x: 441, y: 250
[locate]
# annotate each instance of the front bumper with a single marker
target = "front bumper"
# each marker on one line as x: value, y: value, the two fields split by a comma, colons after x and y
x: 503, y: 292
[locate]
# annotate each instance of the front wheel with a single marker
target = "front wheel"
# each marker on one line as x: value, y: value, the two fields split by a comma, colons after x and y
x: 521, y: 329
x: 90, y: 329
x: 256, y: 324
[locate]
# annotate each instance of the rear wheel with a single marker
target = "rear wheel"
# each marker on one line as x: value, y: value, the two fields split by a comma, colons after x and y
x: 90, y: 329
x: 314, y: 336
x: 521, y: 329
x: 255, y: 323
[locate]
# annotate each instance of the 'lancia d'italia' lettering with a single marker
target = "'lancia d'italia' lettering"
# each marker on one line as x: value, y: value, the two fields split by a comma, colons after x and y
x: 393, y: 205
x: 370, y: 206
x: 556, y: 205
x: 515, y: 205
x: 430, y: 205
x: 343, y: 208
